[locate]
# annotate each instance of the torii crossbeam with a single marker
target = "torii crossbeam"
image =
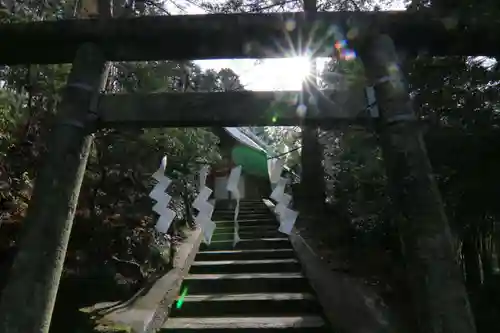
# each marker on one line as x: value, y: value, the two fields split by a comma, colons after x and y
x: 243, y: 35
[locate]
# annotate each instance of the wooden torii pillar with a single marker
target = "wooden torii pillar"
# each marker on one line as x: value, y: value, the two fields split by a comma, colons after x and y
x: 439, y: 295
x: 29, y: 297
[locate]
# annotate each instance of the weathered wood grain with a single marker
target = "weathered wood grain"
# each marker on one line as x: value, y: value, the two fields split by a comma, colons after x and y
x: 244, y: 35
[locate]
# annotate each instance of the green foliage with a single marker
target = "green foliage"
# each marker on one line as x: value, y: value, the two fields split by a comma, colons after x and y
x: 455, y: 92
x: 11, y: 117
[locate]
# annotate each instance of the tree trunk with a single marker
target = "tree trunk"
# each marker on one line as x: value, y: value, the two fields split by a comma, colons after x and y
x: 471, y: 261
x: 436, y: 280
x: 486, y: 256
x: 312, y: 175
x: 28, y: 299
x: 496, y: 242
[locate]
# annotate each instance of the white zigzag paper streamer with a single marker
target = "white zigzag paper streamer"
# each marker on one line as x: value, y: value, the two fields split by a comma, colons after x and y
x: 159, y: 175
x: 286, y: 216
x: 275, y: 167
x: 232, y: 186
x: 165, y: 221
x: 287, y: 220
x: 283, y: 203
x: 236, y: 236
x: 203, y: 175
x: 206, y: 225
x: 202, y: 197
x: 205, y: 209
x: 279, y: 190
x: 162, y: 199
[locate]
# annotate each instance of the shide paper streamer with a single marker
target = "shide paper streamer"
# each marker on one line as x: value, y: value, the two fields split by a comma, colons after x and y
x: 205, y: 209
x: 203, y: 175
x: 286, y: 216
x: 232, y: 186
x: 287, y: 220
x: 279, y: 189
x: 162, y: 198
x: 207, y: 226
x: 274, y: 167
x: 283, y: 203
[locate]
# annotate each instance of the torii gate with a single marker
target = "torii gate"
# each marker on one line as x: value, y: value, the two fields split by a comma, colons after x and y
x: 27, y: 301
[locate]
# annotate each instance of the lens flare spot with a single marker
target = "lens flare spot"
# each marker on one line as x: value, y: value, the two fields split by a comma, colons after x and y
x: 247, y: 48
x: 393, y: 69
x: 340, y: 44
x: 353, y: 33
x: 180, y: 300
x: 334, y: 31
x: 348, y: 54
x: 290, y: 25
x: 274, y: 119
x: 292, y: 99
x: 301, y: 110
x: 312, y: 100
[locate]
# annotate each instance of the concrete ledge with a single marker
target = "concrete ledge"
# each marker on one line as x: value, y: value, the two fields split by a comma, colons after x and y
x: 348, y: 304
x: 148, y: 312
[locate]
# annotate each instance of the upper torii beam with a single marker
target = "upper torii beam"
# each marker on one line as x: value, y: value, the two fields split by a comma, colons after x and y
x: 191, y: 37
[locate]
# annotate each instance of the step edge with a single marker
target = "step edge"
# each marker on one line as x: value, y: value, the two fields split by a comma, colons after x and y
x: 244, y: 322
x: 244, y: 262
x: 252, y: 240
x: 243, y: 276
x: 251, y: 297
x: 246, y: 251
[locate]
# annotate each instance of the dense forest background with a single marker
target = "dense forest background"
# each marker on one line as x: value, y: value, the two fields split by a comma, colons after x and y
x: 114, y: 249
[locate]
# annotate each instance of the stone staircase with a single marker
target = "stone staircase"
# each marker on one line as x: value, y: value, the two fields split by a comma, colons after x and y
x: 256, y: 287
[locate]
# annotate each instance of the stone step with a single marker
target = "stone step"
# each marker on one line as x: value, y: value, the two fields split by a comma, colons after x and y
x: 246, y: 223
x: 257, y: 233
x: 265, y: 304
x: 245, y: 266
x: 249, y: 244
x: 245, y: 254
x: 296, y: 324
x: 260, y: 210
x: 225, y: 203
x: 243, y: 208
x: 246, y: 228
x: 243, y: 219
x: 226, y: 222
x: 246, y: 283
x: 230, y: 216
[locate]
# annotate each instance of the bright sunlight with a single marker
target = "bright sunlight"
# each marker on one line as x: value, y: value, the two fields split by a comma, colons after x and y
x: 291, y: 71
x: 271, y: 74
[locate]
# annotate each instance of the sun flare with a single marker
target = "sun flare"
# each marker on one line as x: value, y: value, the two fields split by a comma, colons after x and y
x: 296, y: 69
x: 302, y: 68
x: 272, y: 74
